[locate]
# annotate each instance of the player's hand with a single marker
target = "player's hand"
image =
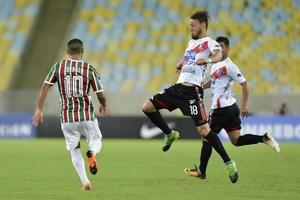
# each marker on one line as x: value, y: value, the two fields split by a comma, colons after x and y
x: 37, y: 117
x: 201, y: 61
x: 179, y: 67
x: 244, y: 111
x: 102, y: 110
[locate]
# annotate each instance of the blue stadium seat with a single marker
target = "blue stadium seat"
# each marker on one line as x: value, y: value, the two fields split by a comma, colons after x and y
x: 148, y: 37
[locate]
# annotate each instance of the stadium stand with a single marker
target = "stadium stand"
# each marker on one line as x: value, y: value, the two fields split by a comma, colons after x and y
x: 138, y: 43
x: 16, y: 21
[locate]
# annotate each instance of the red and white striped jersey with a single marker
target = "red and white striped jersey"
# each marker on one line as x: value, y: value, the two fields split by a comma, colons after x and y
x: 74, y: 79
x: 223, y: 74
x: 200, y: 48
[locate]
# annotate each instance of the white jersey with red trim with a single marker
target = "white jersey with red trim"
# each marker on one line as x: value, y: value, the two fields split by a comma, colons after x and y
x: 200, y: 48
x: 223, y: 74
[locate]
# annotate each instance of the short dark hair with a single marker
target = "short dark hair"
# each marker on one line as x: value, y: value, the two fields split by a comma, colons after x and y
x: 223, y: 39
x: 75, y: 46
x: 202, y: 16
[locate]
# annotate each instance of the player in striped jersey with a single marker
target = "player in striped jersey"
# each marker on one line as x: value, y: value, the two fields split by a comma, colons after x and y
x: 74, y: 78
x: 187, y: 93
x: 225, y: 112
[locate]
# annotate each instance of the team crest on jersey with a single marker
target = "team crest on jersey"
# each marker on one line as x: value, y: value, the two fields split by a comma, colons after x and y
x: 218, y: 74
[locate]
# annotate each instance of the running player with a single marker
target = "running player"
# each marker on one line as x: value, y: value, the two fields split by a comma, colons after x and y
x: 187, y: 93
x: 74, y: 79
x: 225, y: 112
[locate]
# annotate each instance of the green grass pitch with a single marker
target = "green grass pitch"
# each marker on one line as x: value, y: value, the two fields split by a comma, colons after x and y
x: 138, y: 169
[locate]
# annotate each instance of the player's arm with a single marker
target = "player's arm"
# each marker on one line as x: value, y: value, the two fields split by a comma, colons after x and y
x: 179, y: 66
x: 206, y: 85
x: 102, y: 100
x: 49, y: 81
x: 245, y: 96
x: 98, y: 89
x: 38, y: 115
x: 216, y: 56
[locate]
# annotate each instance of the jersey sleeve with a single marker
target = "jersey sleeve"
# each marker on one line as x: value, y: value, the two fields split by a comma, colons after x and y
x: 51, y: 77
x: 96, y: 81
x: 235, y: 73
x: 213, y: 45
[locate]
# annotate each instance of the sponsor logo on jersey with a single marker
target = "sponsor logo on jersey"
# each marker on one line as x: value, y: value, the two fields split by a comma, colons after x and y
x: 192, y: 101
x: 189, y: 56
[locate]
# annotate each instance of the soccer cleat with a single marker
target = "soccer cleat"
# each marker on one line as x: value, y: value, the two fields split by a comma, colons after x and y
x: 86, y: 186
x: 93, y: 166
x: 169, y: 139
x: 231, y: 170
x: 271, y: 142
x: 195, y: 172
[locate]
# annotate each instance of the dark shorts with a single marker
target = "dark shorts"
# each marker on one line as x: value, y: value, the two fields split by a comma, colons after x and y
x: 187, y: 98
x: 227, y: 118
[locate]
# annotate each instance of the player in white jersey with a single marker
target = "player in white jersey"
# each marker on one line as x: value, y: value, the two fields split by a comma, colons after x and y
x: 187, y: 93
x: 74, y: 79
x: 225, y: 113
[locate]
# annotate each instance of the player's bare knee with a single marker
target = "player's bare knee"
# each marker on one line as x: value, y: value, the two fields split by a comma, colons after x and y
x: 148, y: 107
x: 203, y: 130
x: 234, y: 136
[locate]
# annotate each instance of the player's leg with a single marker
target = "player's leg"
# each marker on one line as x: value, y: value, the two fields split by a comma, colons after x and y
x: 200, y: 172
x: 233, y: 129
x: 162, y: 100
x: 155, y: 116
x: 249, y: 139
x: 72, y: 137
x: 92, y: 133
x: 78, y: 163
x: 197, y: 113
x: 216, y: 143
x: 206, y: 151
x: 216, y: 123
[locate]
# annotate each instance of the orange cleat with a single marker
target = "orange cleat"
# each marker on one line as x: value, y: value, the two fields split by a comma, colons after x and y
x: 92, y: 163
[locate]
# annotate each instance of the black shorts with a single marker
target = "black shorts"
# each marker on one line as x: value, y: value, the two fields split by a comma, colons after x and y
x: 187, y: 98
x: 227, y: 118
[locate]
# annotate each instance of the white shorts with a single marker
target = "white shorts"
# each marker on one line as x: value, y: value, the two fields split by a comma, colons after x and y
x: 91, y: 131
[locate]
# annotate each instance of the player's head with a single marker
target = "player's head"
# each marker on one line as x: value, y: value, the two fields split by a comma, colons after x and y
x: 224, y: 43
x: 198, y: 24
x: 75, y: 47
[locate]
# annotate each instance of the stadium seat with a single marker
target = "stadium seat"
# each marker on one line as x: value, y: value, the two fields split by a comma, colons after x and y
x: 16, y: 20
x: 149, y: 38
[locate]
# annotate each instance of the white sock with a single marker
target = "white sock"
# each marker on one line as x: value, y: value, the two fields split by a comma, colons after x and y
x: 95, y: 147
x: 78, y: 163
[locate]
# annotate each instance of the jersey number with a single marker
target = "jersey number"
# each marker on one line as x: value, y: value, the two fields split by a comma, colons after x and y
x: 194, y: 110
x: 73, y: 87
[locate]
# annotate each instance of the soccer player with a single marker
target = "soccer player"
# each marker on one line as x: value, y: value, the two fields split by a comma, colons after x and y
x: 74, y: 79
x: 187, y: 93
x: 225, y: 113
